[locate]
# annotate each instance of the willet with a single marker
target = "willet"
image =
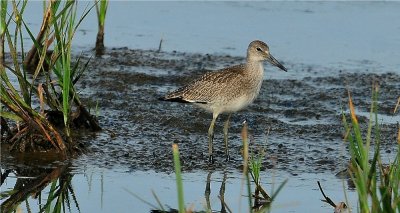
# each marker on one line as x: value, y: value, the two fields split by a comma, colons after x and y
x: 227, y: 90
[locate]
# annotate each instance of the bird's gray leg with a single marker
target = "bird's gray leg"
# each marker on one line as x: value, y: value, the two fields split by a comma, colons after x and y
x: 211, y: 138
x: 226, y: 127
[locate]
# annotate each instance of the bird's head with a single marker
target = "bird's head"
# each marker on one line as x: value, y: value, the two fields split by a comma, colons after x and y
x: 259, y: 51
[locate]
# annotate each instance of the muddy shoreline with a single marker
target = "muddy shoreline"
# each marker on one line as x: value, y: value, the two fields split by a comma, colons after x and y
x: 297, y: 121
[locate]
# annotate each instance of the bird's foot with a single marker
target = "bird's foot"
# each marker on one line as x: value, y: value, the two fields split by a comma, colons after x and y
x: 228, y: 158
x: 211, y: 159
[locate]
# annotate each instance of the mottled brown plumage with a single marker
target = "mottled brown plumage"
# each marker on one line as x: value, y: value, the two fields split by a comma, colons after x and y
x: 227, y: 90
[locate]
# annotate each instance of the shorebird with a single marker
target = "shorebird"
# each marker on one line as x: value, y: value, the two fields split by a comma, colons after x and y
x: 227, y: 90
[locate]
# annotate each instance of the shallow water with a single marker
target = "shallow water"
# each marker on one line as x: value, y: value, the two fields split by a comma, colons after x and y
x: 327, y: 46
x: 348, y: 35
x: 104, y: 190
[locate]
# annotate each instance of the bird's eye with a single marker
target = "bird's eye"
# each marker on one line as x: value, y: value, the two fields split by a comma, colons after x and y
x: 258, y: 49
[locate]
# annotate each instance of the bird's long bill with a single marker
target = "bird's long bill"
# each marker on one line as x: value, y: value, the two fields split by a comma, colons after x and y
x: 275, y: 62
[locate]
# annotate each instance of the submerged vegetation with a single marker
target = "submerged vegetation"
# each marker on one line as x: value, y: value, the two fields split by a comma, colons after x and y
x: 40, y: 113
x: 52, y: 187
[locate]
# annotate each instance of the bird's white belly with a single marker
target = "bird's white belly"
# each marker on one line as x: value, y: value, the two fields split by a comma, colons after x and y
x: 237, y: 104
x: 233, y: 105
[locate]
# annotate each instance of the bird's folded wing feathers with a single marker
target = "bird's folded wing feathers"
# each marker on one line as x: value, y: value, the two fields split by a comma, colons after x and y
x: 205, y: 88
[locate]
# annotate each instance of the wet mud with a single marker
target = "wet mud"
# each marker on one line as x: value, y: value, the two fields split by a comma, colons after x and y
x: 297, y: 122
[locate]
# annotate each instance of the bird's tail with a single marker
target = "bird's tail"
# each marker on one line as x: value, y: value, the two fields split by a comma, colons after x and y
x: 173, y: 99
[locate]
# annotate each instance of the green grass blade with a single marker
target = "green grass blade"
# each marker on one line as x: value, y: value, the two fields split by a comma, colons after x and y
x: 141, y: 199
x: 280, y: 187
x: 17, y: 71
x: 3, y: 8
x: 244, y: 134
x: 11, y: 116
x: 158, y: 200
x: 101, y: 10
x: 47, y: 207
x: 178, y: 175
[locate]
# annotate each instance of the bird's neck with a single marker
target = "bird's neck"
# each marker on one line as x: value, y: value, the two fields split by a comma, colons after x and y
x: 256, y: 67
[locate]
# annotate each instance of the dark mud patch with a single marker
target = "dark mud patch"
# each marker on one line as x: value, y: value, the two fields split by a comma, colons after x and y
x: 297, y: 122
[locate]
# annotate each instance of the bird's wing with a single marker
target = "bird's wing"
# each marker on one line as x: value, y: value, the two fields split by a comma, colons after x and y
x: 205, y: 88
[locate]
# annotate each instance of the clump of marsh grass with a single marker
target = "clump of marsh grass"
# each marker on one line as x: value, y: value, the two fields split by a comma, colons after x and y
x: 261, y: 197
x: 377, y: 184
x: 101, y: 10
x: 252, y: 164
x: 45, y: 78
x: 3, y: 9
